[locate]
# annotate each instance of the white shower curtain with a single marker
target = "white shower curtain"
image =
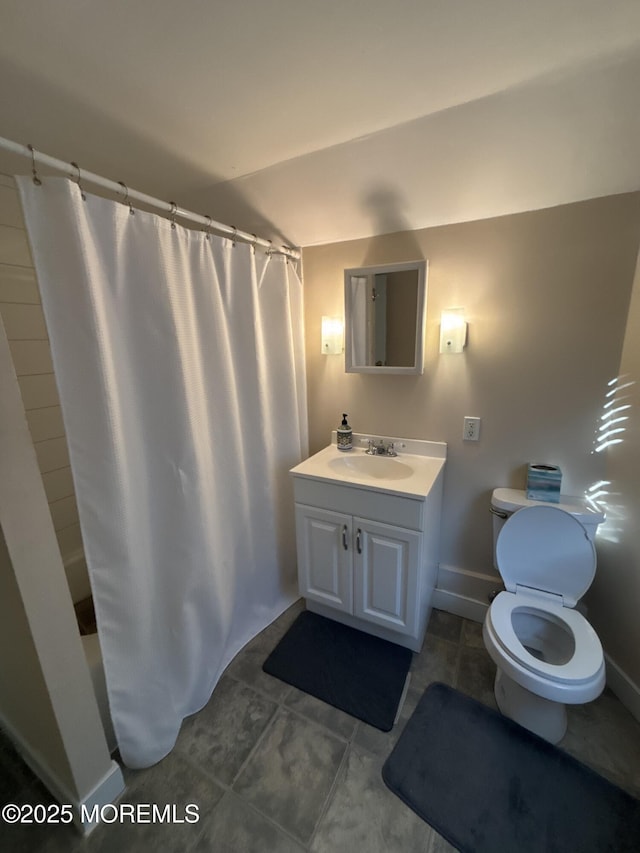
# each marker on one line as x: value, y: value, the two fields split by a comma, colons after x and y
x: 180, y: 367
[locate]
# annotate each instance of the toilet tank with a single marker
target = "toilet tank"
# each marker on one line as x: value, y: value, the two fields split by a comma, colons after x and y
x: 504, y: 502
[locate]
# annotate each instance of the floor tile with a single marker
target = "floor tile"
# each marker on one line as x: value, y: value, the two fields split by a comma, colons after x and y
x: 437, y: 661
x: 365, y: 816
x: 472, y: 634
x: 445, y: 625
x: 247, y: 665
x: 220, y: 737
x: 320, y: 712
x: 286, y: 619
x: 291, y: 773
x: 606, y: 736
x: 173, y: 782
x: 15, y: 775
x: 235, y: 827
x: 272, y: 768
x: 381, y: 743
x: 35, y: 837
x: 476, y: 675
x: 179, y: 778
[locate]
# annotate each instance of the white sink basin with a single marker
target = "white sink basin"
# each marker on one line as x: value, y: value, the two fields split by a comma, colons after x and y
x: 376, y: 467
x: 412, y: 473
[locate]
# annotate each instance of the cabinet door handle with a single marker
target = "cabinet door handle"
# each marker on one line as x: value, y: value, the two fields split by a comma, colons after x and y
x: 358, y: 541
x: 345, y: 530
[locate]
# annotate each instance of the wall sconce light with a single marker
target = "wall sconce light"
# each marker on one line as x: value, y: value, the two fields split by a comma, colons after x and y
x: 332, y: 335
x: 453, y: 330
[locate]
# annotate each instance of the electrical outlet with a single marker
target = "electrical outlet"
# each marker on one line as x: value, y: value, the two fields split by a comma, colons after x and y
x: 471, y: 429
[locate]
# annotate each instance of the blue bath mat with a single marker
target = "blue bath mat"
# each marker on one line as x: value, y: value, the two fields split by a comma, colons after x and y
x: 488, y: 785
x: 353, y: 671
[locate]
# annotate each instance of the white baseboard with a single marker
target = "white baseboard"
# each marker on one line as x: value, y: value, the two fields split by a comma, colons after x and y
x: 459, y: 605
x: 625, y: 689
x: 105, y: 791
x: 464, y: 593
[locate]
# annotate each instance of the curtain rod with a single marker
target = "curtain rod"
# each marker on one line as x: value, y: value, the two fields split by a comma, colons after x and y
x: 72, y: 170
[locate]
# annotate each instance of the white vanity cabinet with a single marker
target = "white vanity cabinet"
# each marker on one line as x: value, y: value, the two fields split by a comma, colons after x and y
x: 359, y: 566
x: 385, y: 575
x: 325, y: 565
x: 368, y: 554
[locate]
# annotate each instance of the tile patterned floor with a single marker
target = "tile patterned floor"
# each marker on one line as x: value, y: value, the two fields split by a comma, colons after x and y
x: 273, y: 769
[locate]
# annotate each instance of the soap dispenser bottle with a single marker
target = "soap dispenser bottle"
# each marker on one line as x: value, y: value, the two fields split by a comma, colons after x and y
x: 345, y: 434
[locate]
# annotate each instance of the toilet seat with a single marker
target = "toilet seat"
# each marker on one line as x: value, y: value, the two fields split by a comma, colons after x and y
x: 547, y: 549
x: 587, y: 659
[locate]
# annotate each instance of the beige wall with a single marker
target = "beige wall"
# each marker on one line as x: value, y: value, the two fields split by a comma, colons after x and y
x: 546, y: 295
x: 22, y: 315
x: 614, y: 601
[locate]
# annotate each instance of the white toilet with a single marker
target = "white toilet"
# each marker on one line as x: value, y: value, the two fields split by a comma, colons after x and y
x: 546, y: 652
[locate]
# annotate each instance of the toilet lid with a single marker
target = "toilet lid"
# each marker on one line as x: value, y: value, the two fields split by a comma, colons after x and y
x: 546, y: 548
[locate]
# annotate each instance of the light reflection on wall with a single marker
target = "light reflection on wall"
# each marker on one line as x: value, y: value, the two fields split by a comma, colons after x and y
x: 610, y: 430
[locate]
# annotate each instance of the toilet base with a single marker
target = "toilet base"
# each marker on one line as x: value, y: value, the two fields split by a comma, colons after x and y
x: 543, y: 717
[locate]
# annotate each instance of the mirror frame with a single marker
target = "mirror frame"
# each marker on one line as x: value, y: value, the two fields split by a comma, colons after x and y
x: 418, y: 364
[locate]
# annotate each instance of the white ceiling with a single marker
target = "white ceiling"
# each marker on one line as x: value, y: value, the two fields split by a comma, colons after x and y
x: 323, y: 120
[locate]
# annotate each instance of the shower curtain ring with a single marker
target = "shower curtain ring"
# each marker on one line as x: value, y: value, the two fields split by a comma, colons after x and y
x: 235, y: 236
x: 82, y: 193
x: 207, y: 228
x: 270, y: 249
x: 36, y: 179
x: 254, y: 243
x: 126, y: 197
x: 174, y: 208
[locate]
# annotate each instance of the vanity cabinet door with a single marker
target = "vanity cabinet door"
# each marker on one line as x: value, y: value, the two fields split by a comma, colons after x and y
x: 324, y: 556
x: 385, y: 574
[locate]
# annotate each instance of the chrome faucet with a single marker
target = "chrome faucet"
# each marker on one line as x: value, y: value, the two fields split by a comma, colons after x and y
x: 380, y: 449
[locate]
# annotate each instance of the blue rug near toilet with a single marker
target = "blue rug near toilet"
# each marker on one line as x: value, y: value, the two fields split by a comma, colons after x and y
x: 489, y: 786
x: 353, y: 671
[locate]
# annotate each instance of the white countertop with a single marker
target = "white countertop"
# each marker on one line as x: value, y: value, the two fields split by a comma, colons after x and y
x: 412, y: 473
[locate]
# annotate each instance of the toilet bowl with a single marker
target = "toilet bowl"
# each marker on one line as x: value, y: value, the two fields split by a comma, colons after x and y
x: 547, y: 654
